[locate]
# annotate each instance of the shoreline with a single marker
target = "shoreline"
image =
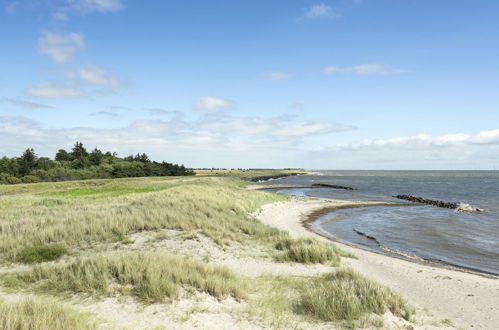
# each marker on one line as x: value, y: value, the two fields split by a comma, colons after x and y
x: 308, y: 224
x: 468, y: 298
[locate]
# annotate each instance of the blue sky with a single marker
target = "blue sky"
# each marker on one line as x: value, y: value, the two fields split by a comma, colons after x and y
x: 344, y: 84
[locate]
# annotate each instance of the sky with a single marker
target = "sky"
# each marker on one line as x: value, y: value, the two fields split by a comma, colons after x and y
x: 337, y: 84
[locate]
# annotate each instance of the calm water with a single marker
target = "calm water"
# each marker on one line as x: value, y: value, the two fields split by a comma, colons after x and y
x: 464, y: 239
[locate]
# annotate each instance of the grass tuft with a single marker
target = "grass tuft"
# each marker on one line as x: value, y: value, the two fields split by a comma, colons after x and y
x: 39, y: 314
x: 152, y: 277
x: 37, y: 254
x: 309, y: 251
x: 348, y: 296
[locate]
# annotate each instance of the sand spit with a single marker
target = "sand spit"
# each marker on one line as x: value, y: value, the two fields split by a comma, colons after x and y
x: 470, y: 300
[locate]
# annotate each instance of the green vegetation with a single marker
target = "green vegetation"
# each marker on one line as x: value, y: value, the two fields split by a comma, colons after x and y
x: 149, y: 276
x: 94, y: 219
x: 309, y: 251
x: 348, y: 296
x: 31, y: 314
x: 37, y: 254
x: 79, y: 164
x: 212, y: 206
x: 343, y: 297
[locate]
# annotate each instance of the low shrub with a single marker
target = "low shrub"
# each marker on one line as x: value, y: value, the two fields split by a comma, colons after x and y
x: 37, y: 254
x: 31, y: 314
x: 346, y: 296
x: 30, y: 179
x: 309, y: 251
x: 149, y: 276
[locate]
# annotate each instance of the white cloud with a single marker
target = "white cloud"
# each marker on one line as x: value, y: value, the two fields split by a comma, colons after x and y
x: 321, y: 11
x: 60, y: 16
x: 422, y: 151
x: 213, y: 103
x: 277, y: 142
x: 27, y: 104
x: 297, y: 106
x: 105, y: 114
x: 164, y: 112
x: 365, y: 69
x: 12, y: 7
x: 425, y: 141
x: 275, y: 76
x: 95, y: 75
x: 234, y: 140
x: 55, y: 90
x: 96, y: 5
x: 60, y: 47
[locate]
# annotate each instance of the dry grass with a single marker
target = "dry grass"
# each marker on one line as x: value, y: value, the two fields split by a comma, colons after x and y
x: 309, y: 251
x: 152, y: 277
x: 348, y: 296
x: 34, y: 314
x: 345, y: 298
x: 214, y: 207
x: 84, y: 214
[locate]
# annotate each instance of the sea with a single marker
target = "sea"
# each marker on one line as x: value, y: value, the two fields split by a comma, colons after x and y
x: 463, y: 239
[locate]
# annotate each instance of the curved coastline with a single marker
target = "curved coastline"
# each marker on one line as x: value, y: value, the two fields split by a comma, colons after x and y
x: 308, y: 222
x: 468, y: 298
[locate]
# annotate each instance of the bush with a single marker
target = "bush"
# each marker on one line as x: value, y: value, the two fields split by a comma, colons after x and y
x: 39, y: 314
x: 30, y: 179
x: 9, y: 179
x: 149, y: 276
x: 309, y: 251
x: 346, y: 295
x: 37, y: 254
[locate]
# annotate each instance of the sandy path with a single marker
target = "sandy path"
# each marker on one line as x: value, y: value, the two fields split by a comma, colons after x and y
x: 470, y: 301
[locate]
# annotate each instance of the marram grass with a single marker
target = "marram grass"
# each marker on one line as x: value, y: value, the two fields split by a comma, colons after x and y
x: 348, y: 296
x: 150, y: 276
x: 36, y: 314
x: 214, y: 207
x: 37, y: 254
x: 309, y: 251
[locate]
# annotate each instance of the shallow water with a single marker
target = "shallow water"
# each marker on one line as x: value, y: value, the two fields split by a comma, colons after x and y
x: 464, y: 239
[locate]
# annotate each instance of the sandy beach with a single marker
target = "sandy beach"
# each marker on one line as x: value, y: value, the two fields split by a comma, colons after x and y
x: 471, y: 301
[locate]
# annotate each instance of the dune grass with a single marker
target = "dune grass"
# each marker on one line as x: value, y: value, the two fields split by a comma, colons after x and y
x: 309, y: 251
x: 150, y: 276
x: 215, y: 207
x: 34, y: 314
x: 348, y: 296
x: 343, y: 297
x: 37, y: 254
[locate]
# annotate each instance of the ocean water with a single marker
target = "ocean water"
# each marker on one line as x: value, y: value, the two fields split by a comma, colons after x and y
x: 464, y: 239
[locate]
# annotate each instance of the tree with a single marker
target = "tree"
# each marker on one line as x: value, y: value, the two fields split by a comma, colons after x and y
x: 96, y: 157
x: 79, y: 151
x: 27, y: 162
x: 62, y: 156
x: 142, y: 158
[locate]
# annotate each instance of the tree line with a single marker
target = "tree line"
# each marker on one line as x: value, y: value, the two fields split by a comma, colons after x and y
x: 80, y: 164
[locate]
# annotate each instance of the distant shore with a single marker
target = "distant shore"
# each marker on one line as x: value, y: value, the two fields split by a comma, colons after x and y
x: 469, y: 299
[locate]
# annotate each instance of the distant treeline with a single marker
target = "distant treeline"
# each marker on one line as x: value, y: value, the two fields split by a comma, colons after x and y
x: 80, y: 164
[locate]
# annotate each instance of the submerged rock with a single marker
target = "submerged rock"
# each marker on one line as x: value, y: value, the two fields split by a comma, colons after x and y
x: 325, y: 185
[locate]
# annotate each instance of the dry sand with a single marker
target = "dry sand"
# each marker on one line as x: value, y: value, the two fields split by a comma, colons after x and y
x: 471, y: 301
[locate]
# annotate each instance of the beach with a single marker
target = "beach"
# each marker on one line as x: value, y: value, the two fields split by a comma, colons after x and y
x: 469, y: 300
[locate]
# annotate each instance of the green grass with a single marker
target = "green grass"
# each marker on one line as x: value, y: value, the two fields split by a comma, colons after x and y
x: 345, y: 298
x: 35, y: 314
x: 37, y: 254
x: 151, y: 277
x: 107, y: 190
x: 39, y: 219
x: 309, y: 251
x: 214, y: 207
x: 348, y: 296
